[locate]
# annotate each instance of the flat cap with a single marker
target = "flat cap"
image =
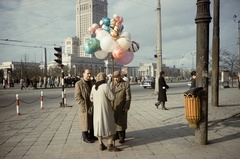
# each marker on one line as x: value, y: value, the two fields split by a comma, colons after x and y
x: 116, y: 74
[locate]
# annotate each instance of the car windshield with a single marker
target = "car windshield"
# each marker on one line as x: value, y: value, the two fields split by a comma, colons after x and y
x: 149, y: 79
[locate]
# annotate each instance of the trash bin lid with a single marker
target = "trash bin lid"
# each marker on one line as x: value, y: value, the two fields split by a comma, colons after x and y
x: 193, y: 91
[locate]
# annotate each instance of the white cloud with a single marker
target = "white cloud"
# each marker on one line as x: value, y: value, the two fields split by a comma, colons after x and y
x: 39, y: 22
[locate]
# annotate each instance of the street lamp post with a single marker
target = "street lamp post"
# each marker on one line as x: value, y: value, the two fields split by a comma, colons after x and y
x: 193, y: 54
x: 202, y: 20
x: 182, y: 71
x: 159, y: 47
x: 238, y: 21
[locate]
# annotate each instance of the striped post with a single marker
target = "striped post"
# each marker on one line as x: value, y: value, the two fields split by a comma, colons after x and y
x: 17, y: 105
x: 41, y: 100
x: 65, y: 98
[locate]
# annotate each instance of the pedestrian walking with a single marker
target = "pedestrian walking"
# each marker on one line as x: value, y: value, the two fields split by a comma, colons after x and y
x: 121, y: 105
x: 162, y: 89
x: 82, y: 96
x: 125, y: 78
x: 22, y: 83
x: 40, y: 81
x: 53, y: 81
x: 4, y: 83
x: 103, y: 115
x: 45, y: 82
x: 238, y: 81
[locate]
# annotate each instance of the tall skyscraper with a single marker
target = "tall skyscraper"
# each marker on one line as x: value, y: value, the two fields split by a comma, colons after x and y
x: 87, y: 13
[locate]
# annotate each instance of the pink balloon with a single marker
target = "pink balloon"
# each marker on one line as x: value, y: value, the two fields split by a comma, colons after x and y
x: 90, y: 29
x: 126, y: 59
x: 98, y: 30
x: 116, y: 17
x: 118, y: 53
x: 95, y: 26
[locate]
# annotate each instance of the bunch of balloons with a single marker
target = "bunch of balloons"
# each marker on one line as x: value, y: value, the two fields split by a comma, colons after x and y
x: 110, y: 37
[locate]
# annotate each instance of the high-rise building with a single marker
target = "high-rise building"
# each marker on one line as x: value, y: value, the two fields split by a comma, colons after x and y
x: 87, y: 13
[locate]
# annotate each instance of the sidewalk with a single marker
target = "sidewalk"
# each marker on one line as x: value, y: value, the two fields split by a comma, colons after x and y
x: 54, y: 133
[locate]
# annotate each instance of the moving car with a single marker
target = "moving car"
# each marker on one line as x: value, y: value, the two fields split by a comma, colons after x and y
x: 149, y: 82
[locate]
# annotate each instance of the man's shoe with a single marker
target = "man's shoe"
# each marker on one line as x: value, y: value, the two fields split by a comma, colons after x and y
x: 121, y: 141
x: 94, y: 138
x: 164, y: 108
x: 87, y: 141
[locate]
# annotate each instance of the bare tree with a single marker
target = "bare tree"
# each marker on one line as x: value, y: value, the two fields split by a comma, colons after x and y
x: 229, y: 61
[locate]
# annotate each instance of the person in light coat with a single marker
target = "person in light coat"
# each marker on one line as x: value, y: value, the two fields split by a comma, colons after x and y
x: 121, y: 105
x: 103, y: 115
x: 82, y: 96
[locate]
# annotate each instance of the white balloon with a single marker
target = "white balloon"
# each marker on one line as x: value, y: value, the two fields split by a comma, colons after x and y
x: 108, y: 44
x: 126, y: 35
x: 101, y: 34
x: 124, y: 42
x: 101, y: 54
x: 101, y: 22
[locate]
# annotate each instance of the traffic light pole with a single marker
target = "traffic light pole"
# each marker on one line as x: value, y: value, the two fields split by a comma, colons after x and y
x: 58, y: 60
x: 62, y: 86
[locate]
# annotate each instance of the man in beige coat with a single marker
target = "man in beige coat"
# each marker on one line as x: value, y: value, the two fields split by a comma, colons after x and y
x: 121, y: 105
x: 82, y: 96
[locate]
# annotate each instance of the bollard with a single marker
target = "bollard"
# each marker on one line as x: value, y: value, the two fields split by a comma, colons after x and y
x: 65, y: 98
x: 41, y: 100
x: 17, y: 105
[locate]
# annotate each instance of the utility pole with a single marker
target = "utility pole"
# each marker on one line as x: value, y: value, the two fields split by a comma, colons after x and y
x: 215, y: 54
x: 159, y: 47
x: 235, y: 20
x: 45, y: 61
x: 203, y: 18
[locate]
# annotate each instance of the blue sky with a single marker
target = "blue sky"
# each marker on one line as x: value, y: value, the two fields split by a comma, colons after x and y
x: 31, y: 25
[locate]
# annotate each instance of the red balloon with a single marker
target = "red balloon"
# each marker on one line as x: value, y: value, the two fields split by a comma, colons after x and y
x: 118, y: 53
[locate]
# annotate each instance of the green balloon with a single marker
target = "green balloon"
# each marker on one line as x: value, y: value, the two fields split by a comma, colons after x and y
x: 94, y: 44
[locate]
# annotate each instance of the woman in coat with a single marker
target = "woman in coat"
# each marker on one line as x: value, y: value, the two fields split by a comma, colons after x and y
x: 103, y: 115
x: 162, y: 96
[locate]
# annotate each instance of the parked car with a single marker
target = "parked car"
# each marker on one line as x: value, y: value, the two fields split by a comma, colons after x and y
x: 149, y: 82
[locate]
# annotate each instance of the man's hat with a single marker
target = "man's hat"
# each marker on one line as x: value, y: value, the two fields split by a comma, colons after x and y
x: 116, y: 74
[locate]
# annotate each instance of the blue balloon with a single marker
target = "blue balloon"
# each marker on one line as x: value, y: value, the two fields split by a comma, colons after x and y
x: 106, y: 21
x: 87, y: 49
x: 107, y: 28
x: 94, y: 44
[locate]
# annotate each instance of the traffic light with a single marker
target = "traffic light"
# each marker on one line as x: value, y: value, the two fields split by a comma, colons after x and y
x: 155, y: 55
x: 58, y: 54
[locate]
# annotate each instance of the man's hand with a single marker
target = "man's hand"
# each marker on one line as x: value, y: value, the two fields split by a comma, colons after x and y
x: 125, y: 110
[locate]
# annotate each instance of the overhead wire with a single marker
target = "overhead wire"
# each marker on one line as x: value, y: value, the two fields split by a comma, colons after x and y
x: 22, y: 6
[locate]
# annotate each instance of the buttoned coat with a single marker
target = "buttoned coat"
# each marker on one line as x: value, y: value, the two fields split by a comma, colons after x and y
x: 123, y: 100
x: 82, y: 96
x: 162, y: 96
x: 103, y: 115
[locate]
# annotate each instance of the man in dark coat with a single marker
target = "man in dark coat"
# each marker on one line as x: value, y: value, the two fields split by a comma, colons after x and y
x: 162, y: 96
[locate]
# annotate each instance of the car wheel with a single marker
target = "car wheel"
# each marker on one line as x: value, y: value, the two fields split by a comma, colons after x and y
x: 144, y: 87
